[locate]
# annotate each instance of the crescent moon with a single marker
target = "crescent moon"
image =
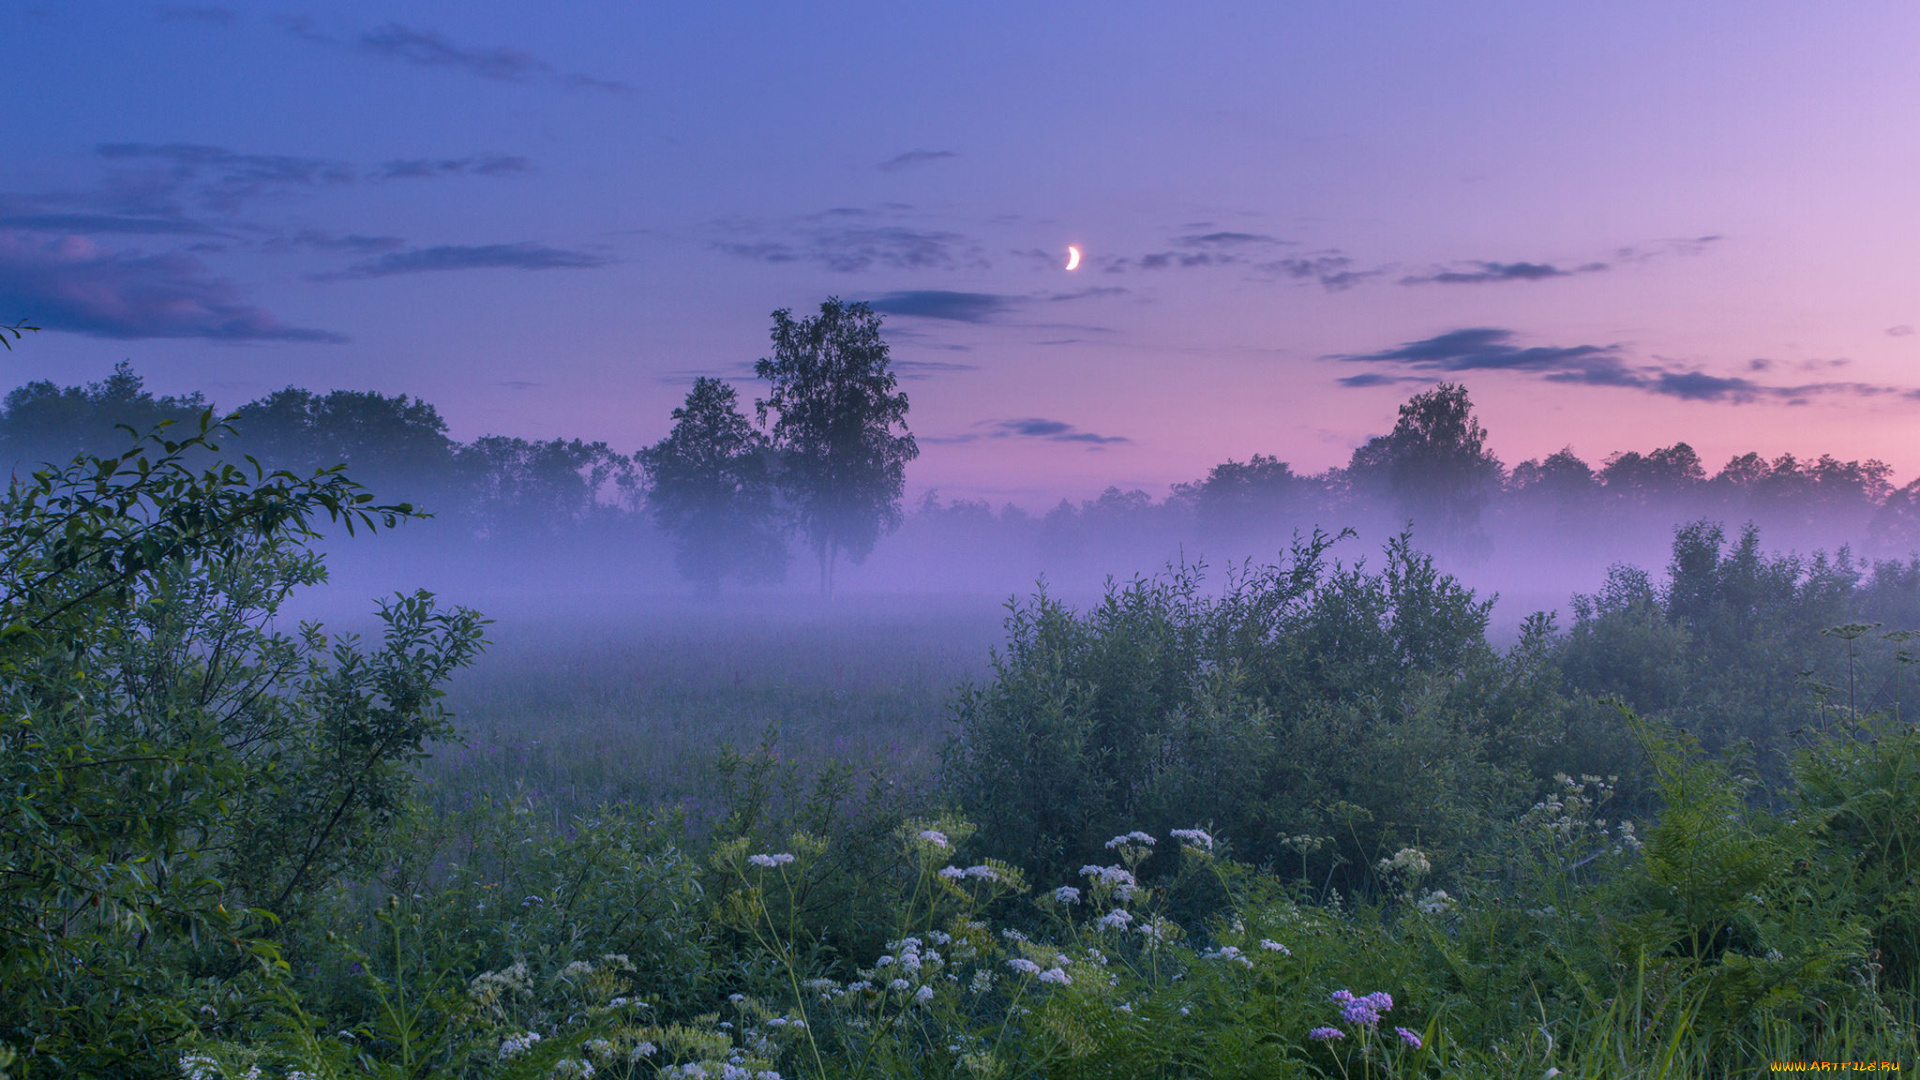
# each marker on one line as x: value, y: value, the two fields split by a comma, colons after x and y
x: 1073, y: 257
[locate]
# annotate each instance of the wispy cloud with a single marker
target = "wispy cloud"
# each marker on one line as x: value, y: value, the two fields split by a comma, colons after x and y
x: 914, y: 157
x: 1331, y: 268
x: 523, y: 256
x: 427, y: 168
x: 1903, y: 330
x: 851, y: 240
x: 1493, y: 349
x: 86, y: 224
x: 1481, y: 273
x: 924, y: 369
x: 222, y: 179
x: 71, y: 284
x: 941, y: 304
x: 432, y: 49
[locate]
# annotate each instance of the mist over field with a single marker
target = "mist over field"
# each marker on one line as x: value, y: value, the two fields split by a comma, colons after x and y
x: 959, y: 542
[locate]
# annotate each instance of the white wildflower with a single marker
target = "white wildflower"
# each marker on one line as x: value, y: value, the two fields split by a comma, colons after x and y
x: 936, y: 838
x: 952, y: 873
x: 768, y: 862
x: 923, y: 995
x: 1056, y: 975
x: 1436, y: 902
x: 1196, y: 837
x: 1024, y: 966
x: 514, y: 1045
x: 1134, y: 837
x: 1066, y: 894
x: 1117, y: 919
x: 1273, y: 946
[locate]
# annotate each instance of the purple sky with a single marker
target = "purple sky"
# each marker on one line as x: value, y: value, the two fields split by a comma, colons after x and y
x: 1620, y: 225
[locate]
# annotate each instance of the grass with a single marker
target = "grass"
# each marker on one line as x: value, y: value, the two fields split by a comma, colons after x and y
x: 631, y: 708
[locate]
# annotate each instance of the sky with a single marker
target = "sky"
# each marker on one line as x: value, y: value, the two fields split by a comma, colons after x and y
x: 1620, y: 225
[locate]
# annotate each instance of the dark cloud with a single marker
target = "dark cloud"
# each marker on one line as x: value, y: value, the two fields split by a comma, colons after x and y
x: 1899, y: 331
x: 523, y: 256
x: 1374, y: 378
x: 105, y: 224
x: 426, y: 168
x: 1034, y: 427
x: 71, y: 284
x: 1230, y: 240
x: 1479, y: 273
x: 1492, y: 349
x: 199, y: 13
x: 914, y: 157
x: 1332, y: 269
x: 222, y: 179
x: 851, y: 240
x: 923, y: 369
x: 941, y: 304
x: 431, y: 49
x: 318, y: 240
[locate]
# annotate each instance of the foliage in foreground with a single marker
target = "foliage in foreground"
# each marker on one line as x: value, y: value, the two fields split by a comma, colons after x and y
x: 213, y: 863
x: 1709, y: 941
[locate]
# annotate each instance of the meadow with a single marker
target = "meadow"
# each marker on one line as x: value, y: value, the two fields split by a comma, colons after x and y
x: 1301, y: 819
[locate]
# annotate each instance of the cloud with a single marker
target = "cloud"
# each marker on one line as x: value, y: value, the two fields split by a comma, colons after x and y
x: 1683, y: 246
x: 431, y: 49
x: 941, y: 304
x: 1479, y: 272
x: 1218, y: 240
x: 850, y: 240
x: 922, y: 369
x: 1902, y: 330
x: 914, y: 157
x: 104, y: 224
x: 523, y: 256
x: 1034, y: 427
x: 71, y: 284
x: 1331, y: 268
x: 200, y: 13
x: 1492, y: 349
x: 223, y: 179
x: 424, y: 168
x: 318, y: 240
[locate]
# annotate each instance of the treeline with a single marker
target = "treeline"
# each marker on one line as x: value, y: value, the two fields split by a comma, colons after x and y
x: 823, y: 462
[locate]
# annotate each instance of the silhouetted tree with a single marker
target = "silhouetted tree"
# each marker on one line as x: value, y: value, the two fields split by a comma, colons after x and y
x: 1237, y: 498
x: 1663, y: 474
x: 396, y: 444
x: 42, y: 423
x: 710, y: 485
x: 843, y: 466
x: 517, y: 489
x: 1435, y: 464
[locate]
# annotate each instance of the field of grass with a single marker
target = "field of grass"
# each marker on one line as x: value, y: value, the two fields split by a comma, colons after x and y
x: 631, y: 707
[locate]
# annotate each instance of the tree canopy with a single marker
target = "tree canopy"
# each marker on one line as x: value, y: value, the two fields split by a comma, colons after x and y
x: 836, y: 409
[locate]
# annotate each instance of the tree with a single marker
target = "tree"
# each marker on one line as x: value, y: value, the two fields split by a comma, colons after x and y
x: 176, y: 776
x: 1435, y: 464
x: 710, y: 485
x: 843, y: 468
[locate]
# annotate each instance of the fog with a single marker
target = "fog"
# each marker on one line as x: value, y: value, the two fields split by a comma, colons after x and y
x: 534, y: 532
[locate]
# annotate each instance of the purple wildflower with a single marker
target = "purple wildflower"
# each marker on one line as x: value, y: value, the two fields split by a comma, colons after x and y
x: 1408, y: 1037
x: 1326, y: 1034
x: 1361, y: 1013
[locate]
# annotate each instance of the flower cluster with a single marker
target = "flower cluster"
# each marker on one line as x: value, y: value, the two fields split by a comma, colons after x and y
x: 1119, y: 878
x: 1197, y: 838
x: 1363, y: 1011
x: 1129, y: 839
x: 768, y: 862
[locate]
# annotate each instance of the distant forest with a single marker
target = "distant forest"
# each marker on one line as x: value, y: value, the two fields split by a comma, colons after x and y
x: 1434, y: 470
